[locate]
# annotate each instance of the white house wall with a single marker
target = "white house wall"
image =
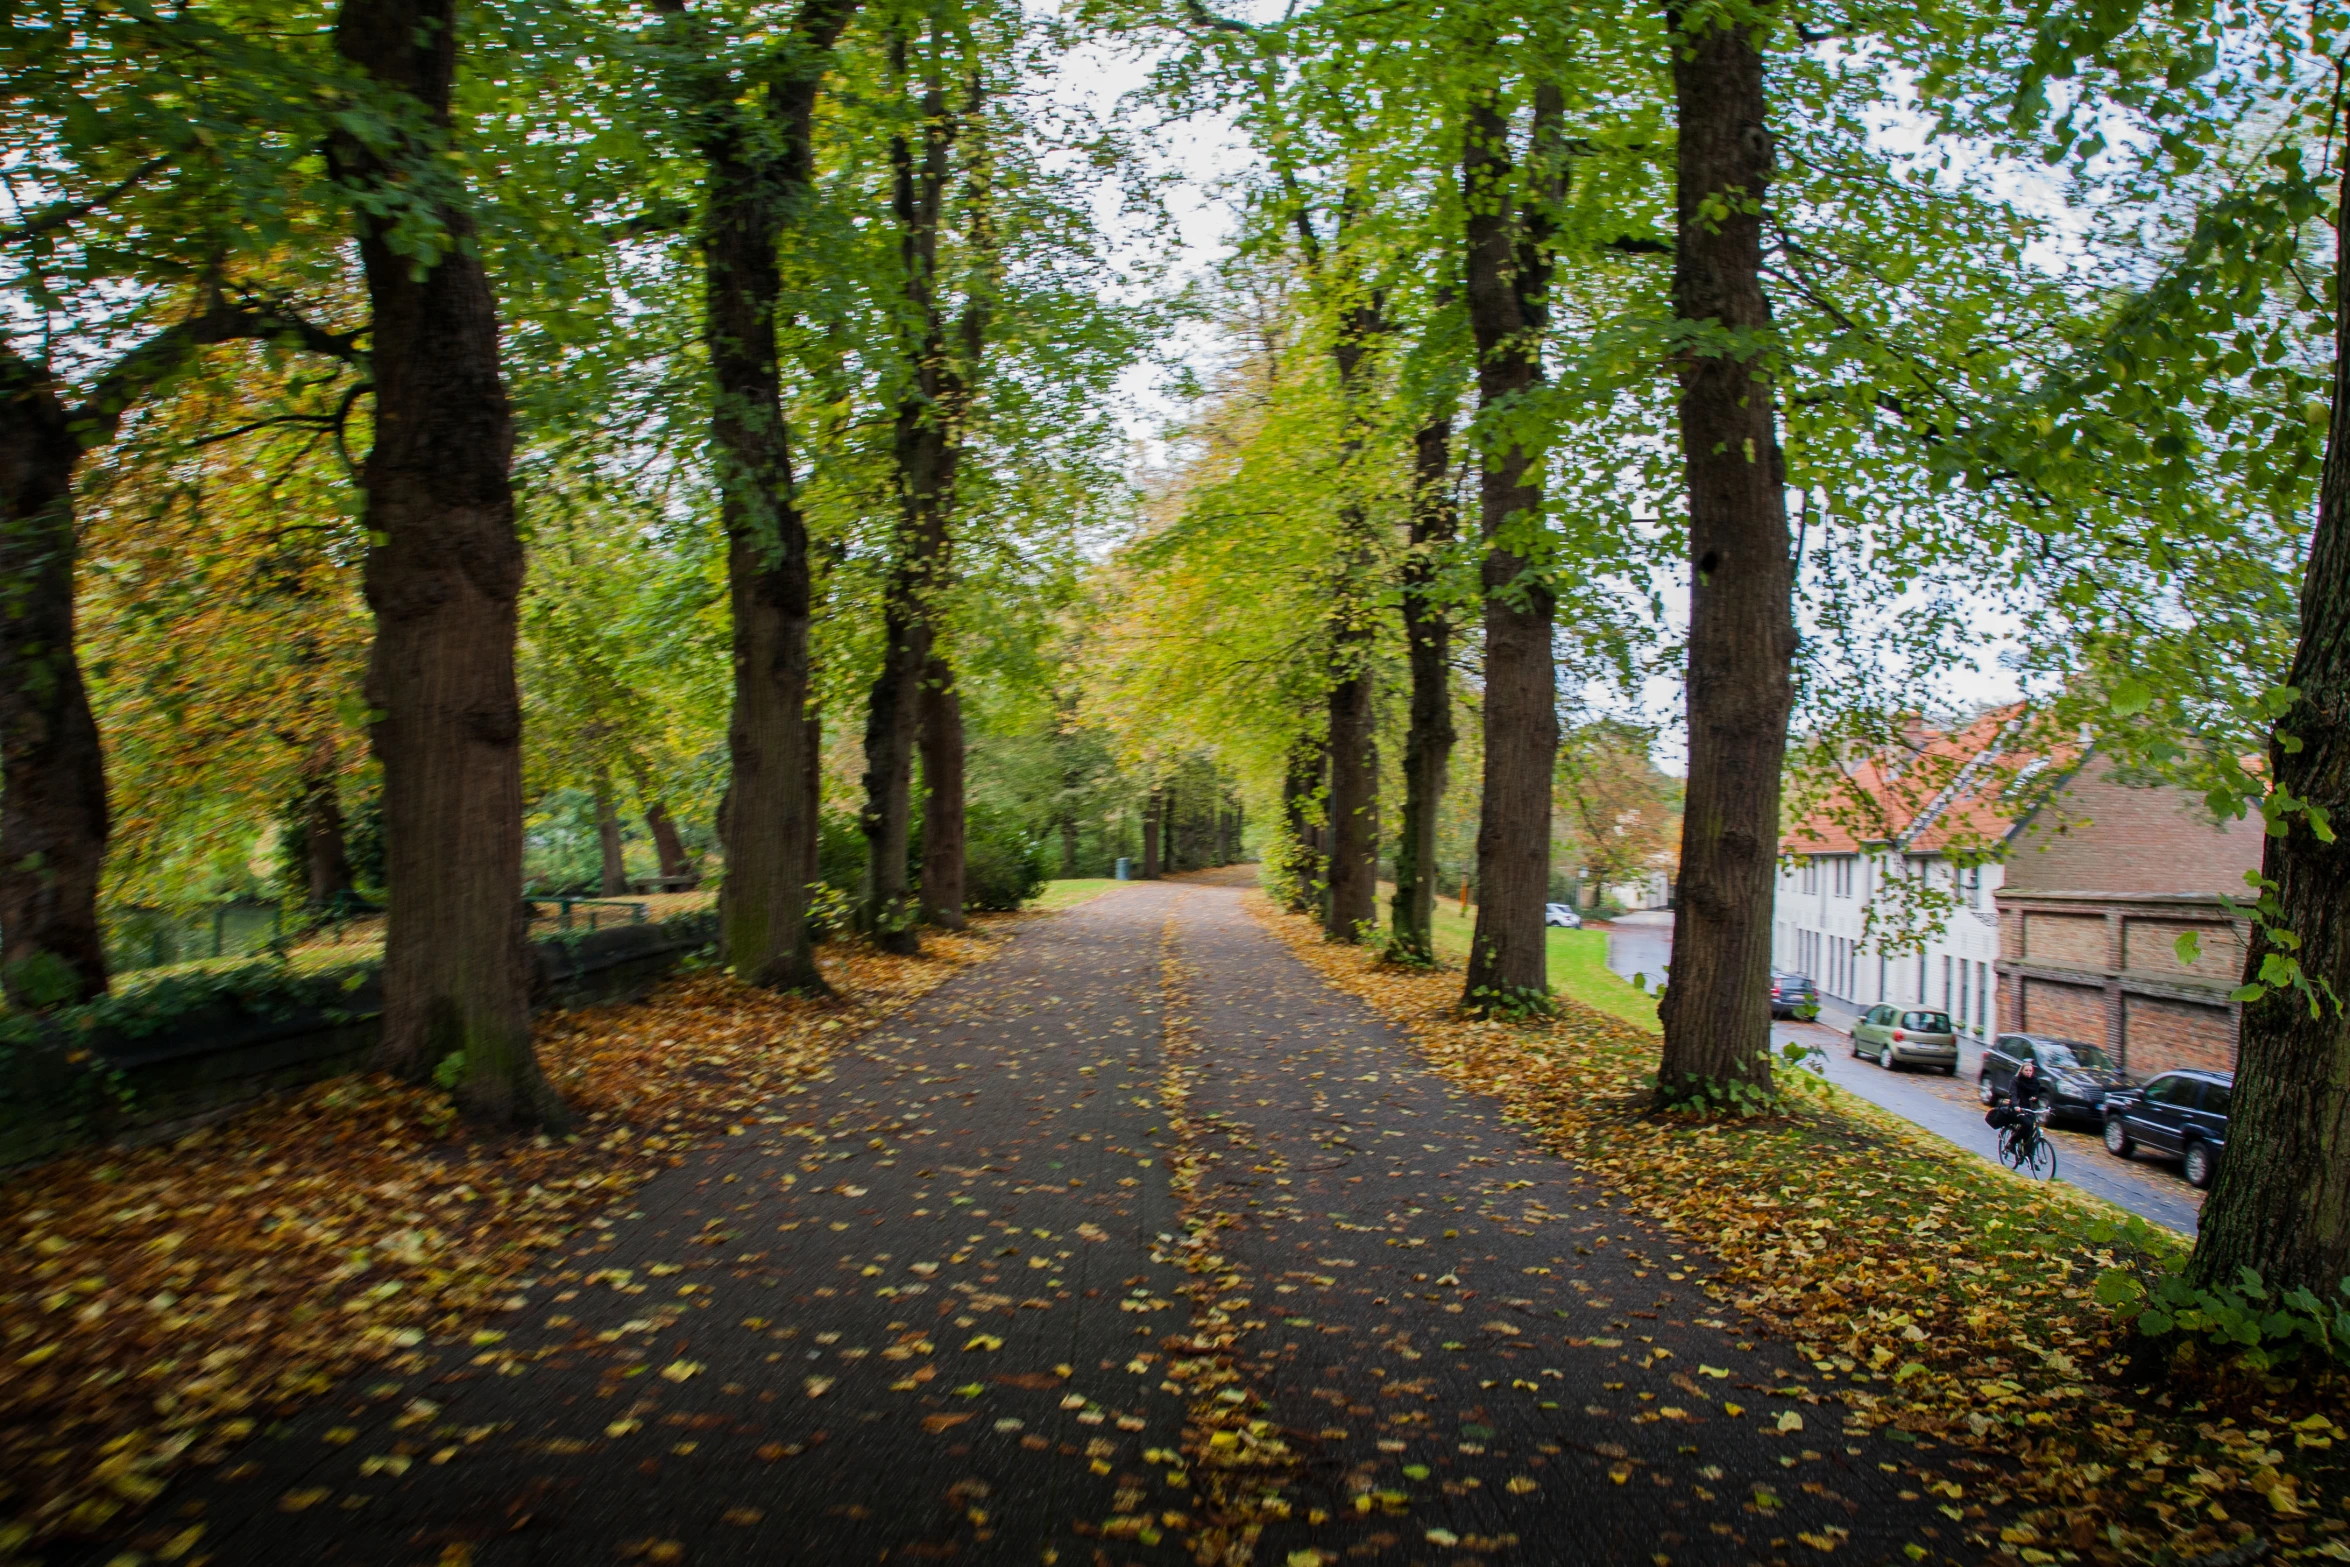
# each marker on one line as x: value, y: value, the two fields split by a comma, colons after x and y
x: 1817, y: 932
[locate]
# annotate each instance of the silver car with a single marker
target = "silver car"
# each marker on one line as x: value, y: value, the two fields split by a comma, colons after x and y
x: 1561, y: 917
x: 1891, y: 1037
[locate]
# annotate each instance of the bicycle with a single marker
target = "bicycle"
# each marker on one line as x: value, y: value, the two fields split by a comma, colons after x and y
x: 2025, y: 1148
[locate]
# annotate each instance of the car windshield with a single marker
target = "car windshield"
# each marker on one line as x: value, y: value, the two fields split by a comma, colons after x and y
x: 1927, y: 1022
x: 2087, y: 1058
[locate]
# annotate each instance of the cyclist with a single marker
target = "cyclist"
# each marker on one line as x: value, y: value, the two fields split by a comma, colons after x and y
x: 2019, y: 1127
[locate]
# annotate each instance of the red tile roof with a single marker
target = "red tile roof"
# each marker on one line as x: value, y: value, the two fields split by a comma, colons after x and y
x: 1927, y: 790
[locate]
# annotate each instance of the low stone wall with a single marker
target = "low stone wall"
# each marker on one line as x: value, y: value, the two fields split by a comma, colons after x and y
x: 132, y: 1080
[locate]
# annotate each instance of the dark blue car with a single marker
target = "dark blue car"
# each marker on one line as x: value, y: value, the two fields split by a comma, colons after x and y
x: 2182, y: 1115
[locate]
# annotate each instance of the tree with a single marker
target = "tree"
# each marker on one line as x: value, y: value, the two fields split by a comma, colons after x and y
x: 1435, y: 523
x: 1508, y: 215
x: 1615, y: 805
x: 2281, y: 1203
x: 444, y: 580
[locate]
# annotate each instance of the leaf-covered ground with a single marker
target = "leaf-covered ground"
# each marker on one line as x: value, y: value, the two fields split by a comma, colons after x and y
x: 1945, y: 1297
x: 158, y: 1306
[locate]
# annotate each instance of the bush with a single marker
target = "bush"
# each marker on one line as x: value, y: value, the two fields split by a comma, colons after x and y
x: 1003, y: 866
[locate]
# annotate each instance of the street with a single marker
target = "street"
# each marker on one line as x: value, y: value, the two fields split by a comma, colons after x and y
x: 1642, y: 944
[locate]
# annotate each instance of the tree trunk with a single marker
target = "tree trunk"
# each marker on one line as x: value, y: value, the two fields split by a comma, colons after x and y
x: 2281, y: 1204
x: 326, y: 859
x: 1507, y: 276
x: 53, y: 813
x: 1427, y: 753
x: 1068, y: 847
x: 1151, y: 809
x: 677, y: 867
x: 1301, y: 805
x: 443, y: 578
x: 611, y: 852
x: 1169, y: 814
x: 1354, y: 803
x: 755, y: 151
x: 942, y: 800
x: 1716, y: 1010
x: 930, y: 415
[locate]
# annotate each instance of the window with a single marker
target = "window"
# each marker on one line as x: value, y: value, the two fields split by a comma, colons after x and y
x: 1946, y: 984
x: 2215, y: 1100
x: 1970, y: 883
x: 2013, y: 1048
x: 2075, y: 1054
x: 1927, y: 1022
x: 1810, y: 875
x: 1840, y: 876
x: 2179, y: 1091
x: 1982, y: 994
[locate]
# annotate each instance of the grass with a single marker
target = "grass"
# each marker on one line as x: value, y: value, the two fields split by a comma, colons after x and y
x: 1578, y: 967
x: 1075, y: 890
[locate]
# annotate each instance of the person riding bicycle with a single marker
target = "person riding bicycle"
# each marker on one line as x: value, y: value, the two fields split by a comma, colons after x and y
x: 2022, y: 1097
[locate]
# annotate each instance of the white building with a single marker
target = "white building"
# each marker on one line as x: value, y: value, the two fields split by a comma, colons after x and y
x: 1877, y: 902
x: 1820, y: 929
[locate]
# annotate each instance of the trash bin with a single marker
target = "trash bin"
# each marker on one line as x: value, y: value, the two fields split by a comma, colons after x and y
x: 1125, y: 869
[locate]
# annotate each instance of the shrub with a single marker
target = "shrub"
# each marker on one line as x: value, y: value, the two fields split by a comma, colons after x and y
x: 1003, y: 865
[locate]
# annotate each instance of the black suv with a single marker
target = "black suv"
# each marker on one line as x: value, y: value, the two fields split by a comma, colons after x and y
x: 1790, y: 992
x: 2075, y: 1079
x: 2182, y: 1114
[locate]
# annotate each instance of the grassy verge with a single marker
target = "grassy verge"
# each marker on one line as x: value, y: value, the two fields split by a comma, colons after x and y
x: 1578, y: 966
x: 1075, y: 890
x: 1935, y: 1296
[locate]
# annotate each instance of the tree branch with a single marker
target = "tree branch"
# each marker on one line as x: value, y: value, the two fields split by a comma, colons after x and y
x: 161, y: 356
x: 59, y: 213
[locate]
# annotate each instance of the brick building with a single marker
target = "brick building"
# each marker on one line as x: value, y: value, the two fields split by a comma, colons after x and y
x: 2102, y: 878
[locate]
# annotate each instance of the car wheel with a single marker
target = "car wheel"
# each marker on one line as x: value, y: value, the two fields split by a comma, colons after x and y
x: 1856, y: 1047
x: 1984, y: 1093
x: 2196, y: 1165
x: 1885, y: 1057
x: 2118, y: 1141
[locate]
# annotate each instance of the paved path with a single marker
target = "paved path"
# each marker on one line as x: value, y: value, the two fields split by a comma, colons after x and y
x: 1946, y: 1106
x: 923, y: 1310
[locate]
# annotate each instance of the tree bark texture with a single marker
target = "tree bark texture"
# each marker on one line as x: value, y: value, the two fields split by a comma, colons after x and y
x: 444, y: 579
x: 1507, y: 276
x: 930, y: 416
x: 677, y: 867
x: 2281, y: 1202
x: 942, y: 799
x: 755, y: 152
x: 1716, y: 1009
x: 1301, y: 819
x: 1152, y: 807
x: 1428, y: 740
x: 611, y: 851
x: 1353, y: 909
x: 54, y: 820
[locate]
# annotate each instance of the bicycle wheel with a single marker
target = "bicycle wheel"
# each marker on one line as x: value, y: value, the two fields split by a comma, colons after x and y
x: 2043, y: 1161
x: 2010, y: 1151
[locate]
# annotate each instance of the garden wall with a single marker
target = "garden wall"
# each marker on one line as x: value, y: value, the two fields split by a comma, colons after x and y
x: 177, y: 1052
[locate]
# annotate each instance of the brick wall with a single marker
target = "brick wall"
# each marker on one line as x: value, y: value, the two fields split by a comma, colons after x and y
x: 2068, y: 1011
x: 2077, y: 939
x: 2161, y: 1034
x: 2151, y: 946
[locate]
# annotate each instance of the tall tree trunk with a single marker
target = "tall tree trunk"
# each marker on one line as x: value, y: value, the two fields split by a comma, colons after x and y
x: 1354, y: 743
x: 942, y: 799
x: 1169, y: 814
x: 53, y: 814
x: 931, y: 412
x: 1507, y: 276
x: 611, y: 851
x: 755, y: 151
x: 326, y: 858
x: 443, y: 578
x: 1716, y: 1010
x: 2281, y: 1204
x: 1068, y: 846
x: 1428, y: 742
x: 1301, y: 808
x: 1152, y: 806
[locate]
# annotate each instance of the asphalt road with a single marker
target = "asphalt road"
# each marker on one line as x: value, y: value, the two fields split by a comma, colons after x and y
x: 942, y: 1301
x: 1947, y: 1106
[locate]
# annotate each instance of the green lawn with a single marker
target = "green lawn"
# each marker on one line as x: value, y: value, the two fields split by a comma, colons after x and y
x: 1061, y: 894
x: 1578, y: 966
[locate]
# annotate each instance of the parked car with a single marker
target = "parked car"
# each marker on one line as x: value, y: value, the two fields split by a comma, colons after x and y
x: 1560, y: 915
x: 1891, y: 1037
x: 2183, y: 1115
x: 1791, y: 991
x: 2075, y: 1078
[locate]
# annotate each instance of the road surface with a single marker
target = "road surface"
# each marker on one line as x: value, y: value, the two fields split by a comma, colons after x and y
x: 1642, y: 944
